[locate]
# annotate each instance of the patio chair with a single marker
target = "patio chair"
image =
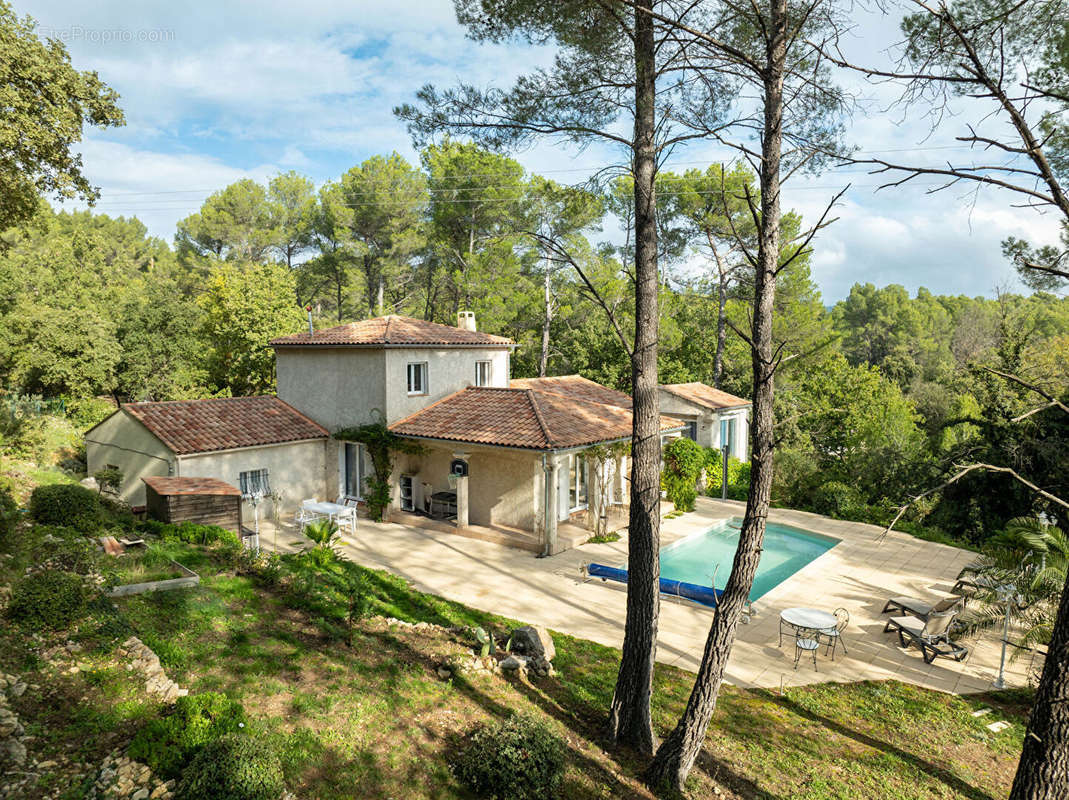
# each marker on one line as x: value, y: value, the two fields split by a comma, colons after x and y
x: 806, y: 645
x: 921, y: 608
x: 834, y: 636
x: 347, y: 519
x: 931, y: 635
x: 305, y: 515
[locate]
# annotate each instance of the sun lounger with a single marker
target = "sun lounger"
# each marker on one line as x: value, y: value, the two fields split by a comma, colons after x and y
x: 930, y: 635
x: 921, y: 608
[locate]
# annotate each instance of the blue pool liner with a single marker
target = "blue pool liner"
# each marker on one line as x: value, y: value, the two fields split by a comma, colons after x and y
x: 705, y: 595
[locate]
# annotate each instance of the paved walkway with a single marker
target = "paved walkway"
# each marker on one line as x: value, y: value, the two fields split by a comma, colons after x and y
x: 858, y: 574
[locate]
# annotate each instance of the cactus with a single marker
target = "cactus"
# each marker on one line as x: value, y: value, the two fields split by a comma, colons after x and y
x: 486, y: 641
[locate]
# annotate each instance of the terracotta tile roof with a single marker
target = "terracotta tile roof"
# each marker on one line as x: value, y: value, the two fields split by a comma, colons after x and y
x: 173, y: 486
x: 522, y: 418
x: 704, y: 395
x: 577, y: 387
x: 224, y: 423
x: 395, y: 331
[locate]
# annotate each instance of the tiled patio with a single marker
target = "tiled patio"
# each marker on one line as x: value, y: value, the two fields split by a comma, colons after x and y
x: 858, y: 574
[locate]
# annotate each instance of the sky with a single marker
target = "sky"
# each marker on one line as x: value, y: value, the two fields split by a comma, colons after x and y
x: 217, y: 91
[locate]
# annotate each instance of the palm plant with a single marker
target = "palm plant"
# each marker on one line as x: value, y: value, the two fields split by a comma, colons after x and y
x: 1023, y: 567
x: 323, y: 532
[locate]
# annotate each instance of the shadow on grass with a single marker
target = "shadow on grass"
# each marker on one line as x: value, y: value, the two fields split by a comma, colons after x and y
x: 941, y: 774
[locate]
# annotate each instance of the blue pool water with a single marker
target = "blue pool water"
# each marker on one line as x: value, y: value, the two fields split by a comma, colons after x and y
x: 695, y: 559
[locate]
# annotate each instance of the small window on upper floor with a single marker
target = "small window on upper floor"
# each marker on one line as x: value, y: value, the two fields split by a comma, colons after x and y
x: 484, y: 373
x: 417, y: 378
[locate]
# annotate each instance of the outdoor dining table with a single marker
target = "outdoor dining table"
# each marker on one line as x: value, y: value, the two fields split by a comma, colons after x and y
x: 802, y: 619
x: 334, y: 511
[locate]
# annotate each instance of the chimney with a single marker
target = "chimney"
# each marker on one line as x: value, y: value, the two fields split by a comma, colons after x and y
x: 311, y: 330
x: 466, y: 321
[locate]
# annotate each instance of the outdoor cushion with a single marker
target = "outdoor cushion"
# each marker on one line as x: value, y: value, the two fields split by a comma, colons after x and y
x: 921, y: 608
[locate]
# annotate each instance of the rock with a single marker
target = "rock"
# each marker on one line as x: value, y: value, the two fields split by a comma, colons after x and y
x: 159, y: 791
x: 140, y: 794
x: 15, y: 750
x: 444, y: 674
x: 18, y: 690
x: 46, y: 765
x: 514, y: 662
x: 533, y: 640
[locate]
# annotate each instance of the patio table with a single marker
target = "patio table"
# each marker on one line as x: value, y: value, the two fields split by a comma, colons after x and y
x: 802, y: 619
x: 335, y: 511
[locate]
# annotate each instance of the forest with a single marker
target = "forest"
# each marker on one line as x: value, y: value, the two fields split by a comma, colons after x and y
x: 880, y: 394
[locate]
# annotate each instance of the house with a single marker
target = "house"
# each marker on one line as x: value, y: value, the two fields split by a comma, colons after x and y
x: 242, y: 440
x: 521, y: 457
x: 712, y: 418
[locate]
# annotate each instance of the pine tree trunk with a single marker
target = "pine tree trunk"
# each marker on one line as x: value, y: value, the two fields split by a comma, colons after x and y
x: 1043, y: 773
x: 677, y: 754
x: 721, y: 331
x: 543, y: 361
x: 629, y: 717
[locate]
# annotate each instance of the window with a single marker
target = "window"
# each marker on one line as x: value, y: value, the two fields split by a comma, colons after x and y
x: 407, y: 493
x: 690, y: 430
x: 577, y: 495
x: 254, y: 482
x: 357, y: 470
x: 417, y: 378
x: 727, y: 434
x: 484, y: 371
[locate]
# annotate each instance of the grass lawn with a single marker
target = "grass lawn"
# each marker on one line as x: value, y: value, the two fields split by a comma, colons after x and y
x: 374, y: 720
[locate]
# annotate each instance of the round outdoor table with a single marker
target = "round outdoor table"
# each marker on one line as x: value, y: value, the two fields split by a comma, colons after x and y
x: 810, y: 619
x: 801, y: 620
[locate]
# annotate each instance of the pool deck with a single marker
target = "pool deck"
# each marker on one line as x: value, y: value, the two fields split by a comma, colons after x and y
x: 858, y: 574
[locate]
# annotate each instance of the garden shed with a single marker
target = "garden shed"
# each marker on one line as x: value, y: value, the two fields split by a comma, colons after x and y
x: 204, y: 501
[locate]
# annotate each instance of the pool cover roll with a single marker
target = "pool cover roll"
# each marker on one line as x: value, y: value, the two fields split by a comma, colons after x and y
x: 705, y: 595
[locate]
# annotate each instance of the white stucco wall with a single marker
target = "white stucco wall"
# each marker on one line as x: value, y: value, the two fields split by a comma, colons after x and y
x: 296, y: 470
x: 339, y: 387
x: 503, y: 484
x: 126, y: 443
x: 709, y: 422
x: 336, y: 387
x: 448, y: 370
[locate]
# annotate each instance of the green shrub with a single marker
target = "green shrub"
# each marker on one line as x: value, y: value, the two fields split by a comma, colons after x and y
x: 837, y: 499
x: 108, y: 479
x: 51, y: 599
x: 683, y: 462
x: 9, y: 514
x: 68, y: 505
x: 85, y: 412
x: 738, y: 475
x: 169, y: 743
x: 63, y: 549
x: 235, y: 767
x: 189, y: 532
x: 520, y: 759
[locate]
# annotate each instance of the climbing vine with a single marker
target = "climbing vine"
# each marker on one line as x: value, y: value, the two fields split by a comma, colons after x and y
x: 381, y: 444
x: 683, y: 462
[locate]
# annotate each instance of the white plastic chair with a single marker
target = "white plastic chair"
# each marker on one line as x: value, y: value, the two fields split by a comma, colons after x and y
x: 305, y: 514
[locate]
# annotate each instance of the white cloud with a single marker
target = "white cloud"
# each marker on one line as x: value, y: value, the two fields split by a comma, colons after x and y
x: 221, y: 91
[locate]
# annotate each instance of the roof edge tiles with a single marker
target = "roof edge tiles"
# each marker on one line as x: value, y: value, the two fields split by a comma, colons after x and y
x: 215, y: 424
x: 393, y: 331
x: 704, y: 395
x: 523, y: 419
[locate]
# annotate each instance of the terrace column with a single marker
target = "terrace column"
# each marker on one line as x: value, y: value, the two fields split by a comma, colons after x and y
x: 619, y: 479
x: 462, y: 494
x: 551, y: 476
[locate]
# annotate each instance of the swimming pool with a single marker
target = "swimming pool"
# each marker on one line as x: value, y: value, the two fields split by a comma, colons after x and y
x: 696, y: 558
